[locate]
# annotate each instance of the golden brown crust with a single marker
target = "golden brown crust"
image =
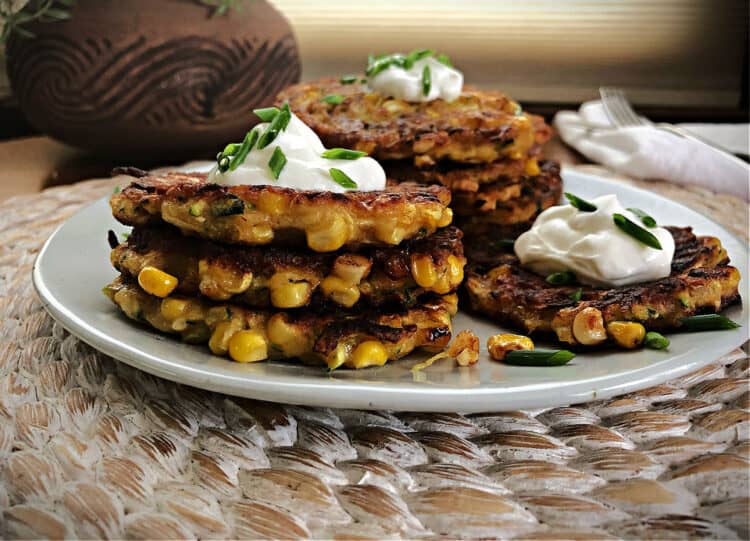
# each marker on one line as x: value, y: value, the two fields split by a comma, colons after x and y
x: 478, y: 127
x: 258, y: 215
x: 327, y: 338
x: 257, y: 276
x: 700, y: 282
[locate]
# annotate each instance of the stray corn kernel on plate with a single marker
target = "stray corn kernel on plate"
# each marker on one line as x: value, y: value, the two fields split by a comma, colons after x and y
x: 74, y: 264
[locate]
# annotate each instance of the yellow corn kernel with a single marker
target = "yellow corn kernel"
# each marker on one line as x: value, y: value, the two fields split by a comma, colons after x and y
x: 368, y: 353
x: 261, y: 234
x: 627, y: 334
x: 329, y: 236
x: 351, y: 268
x: 248, y: 347
x: 220, y: 282
x: 465, y: 348
x: 156, y: 282
x: 223, y: 332
x: 290, y: 339
x: 531, y: 168
x: 446, y: 218
x: 340, y: 291
x: 423, y: 270
x: 500, y: 344
x: 588, y: 327
x: 288, y: 292
x: 455, y: 270
x: 272, y: 203
x: 173, y: 309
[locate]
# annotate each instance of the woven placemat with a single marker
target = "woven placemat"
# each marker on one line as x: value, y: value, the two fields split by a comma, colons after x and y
x: 91, y: 448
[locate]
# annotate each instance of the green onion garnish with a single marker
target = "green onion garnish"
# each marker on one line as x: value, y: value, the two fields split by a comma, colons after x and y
x: 580, y: 204
x: 414, y: 56
x: 223, y: 162
x: 636, y: 231
x: 382, y: 62
x: 708, y: 322
x: 348, y: 79
x: 266, y: 114
x: 244, y: 149
x: 538, y: 357
x: 231, y: 149
x: 443, y: 59
x: 647, y: 220
x: 277, y: 162
x: 563, y: 278
x: 342, y: 154
x: 576, y: 296
x: 426, y: 80
x: 341, y: 178
x: 333, y: 99
x: 277, y: 125
x: 654, y: 340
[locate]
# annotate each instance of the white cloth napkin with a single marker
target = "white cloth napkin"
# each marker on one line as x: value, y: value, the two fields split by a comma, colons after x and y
x: 645, y: 152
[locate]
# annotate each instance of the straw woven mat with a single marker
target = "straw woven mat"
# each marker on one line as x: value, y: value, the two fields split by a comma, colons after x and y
x: 90, y: 448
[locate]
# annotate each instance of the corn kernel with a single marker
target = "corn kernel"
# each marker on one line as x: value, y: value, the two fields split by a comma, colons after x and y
x: 271, y: 203
x: 223, y: 332
x: 500, y: 344
x: 627, y: 334
x: 156, y: 282
x: 262, y: 234
x: 423, y: 270
x: 588, y: 327
x: 340, y: 291
x: 446, y: 218
x: 173, y: 309
x: 531, y: 168
x: 368, y: 353
x: 248, y: 347
x: 287, y: 292
x: 351, y: 268
x: 456, y: 270
x: 465, y: 348
x: 220, y: 282
x: 290, y: 339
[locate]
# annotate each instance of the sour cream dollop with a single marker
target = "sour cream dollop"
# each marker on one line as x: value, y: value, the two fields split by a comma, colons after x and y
x: 593, y: 247
x: 305, y: 169
x: 406, y: 84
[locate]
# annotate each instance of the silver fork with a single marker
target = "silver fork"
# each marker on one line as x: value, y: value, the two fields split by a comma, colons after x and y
x: 621, y: 113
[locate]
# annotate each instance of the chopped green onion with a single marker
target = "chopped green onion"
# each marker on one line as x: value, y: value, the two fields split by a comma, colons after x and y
x: 341, y: 178
x: 194, y: 209
x: 277, y: 162
x: 116, y: 190
x: 333, y: 99
x: 417, y: 55
x: 654, y: 340
x: 443, y: 59
x: 342, y: 154
x: 563, y: 278
x: 580, y: 204
x: 382, y: 62
x: 231, y: 149
x: 266, y: 114
x: 223, y: 162
x: 647, y: 220
x: 348, y: 79
x: 708, y: 322
x: 636, y: 231
x: 426, y: 80
x: 576, y: 296
x: 244, y: 149
x: 538, y: 357
x: 277, y: 125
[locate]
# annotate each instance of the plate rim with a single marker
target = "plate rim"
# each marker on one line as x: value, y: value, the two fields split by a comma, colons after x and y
x: 345, y: 393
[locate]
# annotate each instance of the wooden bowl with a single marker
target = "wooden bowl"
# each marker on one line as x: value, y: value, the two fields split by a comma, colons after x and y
x: 152, y: 79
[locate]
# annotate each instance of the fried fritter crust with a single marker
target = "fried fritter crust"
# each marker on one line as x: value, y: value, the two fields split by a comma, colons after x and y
x: 260, y: 276
x: 258, y: 215
x: 322, y: 338
x: 478, y: 127
x: 701, y: 282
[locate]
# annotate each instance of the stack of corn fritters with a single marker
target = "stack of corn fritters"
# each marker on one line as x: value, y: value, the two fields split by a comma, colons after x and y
x: 257, y: 272
x: 481, y: 146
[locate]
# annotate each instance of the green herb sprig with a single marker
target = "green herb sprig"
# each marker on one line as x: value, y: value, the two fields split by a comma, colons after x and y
x: 539, y: 357
x: 379, y: 63
x: 636, y: 231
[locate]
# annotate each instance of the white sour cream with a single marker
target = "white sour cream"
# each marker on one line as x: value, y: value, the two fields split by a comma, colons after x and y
x: 305, y: 169
x: 406, y: 84
x: 593, y: 247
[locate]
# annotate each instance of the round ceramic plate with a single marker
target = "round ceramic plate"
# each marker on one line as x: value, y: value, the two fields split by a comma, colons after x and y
x: 74, y: 265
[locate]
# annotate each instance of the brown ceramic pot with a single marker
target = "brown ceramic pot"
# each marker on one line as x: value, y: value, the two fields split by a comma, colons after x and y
x: 145, y: 79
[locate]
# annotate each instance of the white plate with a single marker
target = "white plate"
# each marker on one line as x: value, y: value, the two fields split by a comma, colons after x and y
x: 74, y: 265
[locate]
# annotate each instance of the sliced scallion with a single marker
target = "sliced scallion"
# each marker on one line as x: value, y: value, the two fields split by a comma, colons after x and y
x: 538, y: 357
x: 636, y: 231
x: 266, y: 114
x: 333, y: 99
x: 576, y: 296
x: 426, y: 81
x: 417, y: 55
x: 348, y: 79
x: 277, y: 125
x: 244, y: 149
x: 223, y: 162
x: 563, y: 278
x: 443, y: 59
x: 580, y: 204
x: 231, y: 149
x: 647, y: 220
x: 341, y: 178
x: 708, y: 322
x: 654, y: 340
x: 277, y: 162
x: 342, y: 154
